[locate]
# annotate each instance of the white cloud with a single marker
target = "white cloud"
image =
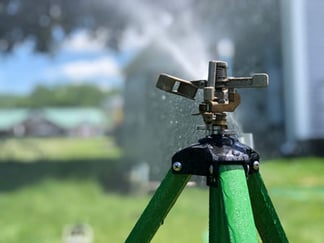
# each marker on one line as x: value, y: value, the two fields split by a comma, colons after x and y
x: 84, y: 69
x: 82, y: 41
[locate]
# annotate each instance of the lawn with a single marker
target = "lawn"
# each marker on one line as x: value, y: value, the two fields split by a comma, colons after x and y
x: 60, y: 148
x: 39, y: 212
x: 297, y: 190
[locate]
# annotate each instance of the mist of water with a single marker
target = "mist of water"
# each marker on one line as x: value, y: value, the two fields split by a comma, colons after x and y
x: 175, y: 44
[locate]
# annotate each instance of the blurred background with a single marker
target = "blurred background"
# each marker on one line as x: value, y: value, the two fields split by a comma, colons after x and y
x: 85, y: 137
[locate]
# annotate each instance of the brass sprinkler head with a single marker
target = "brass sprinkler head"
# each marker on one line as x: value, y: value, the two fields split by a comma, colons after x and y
x: 220, y: 94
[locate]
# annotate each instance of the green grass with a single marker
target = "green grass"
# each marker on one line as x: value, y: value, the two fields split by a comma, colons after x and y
x: 38, y: 213
x: 296, y: 187
x: 60, y: 148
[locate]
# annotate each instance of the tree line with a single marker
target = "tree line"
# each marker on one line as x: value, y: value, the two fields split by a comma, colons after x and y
x: 82, y: 95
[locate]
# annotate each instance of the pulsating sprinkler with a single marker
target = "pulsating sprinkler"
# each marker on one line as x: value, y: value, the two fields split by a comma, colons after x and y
x: 220, y: 95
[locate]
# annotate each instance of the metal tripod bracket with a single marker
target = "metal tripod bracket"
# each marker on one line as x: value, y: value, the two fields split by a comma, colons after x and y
x: 205, y: 157
x: 230, y: 213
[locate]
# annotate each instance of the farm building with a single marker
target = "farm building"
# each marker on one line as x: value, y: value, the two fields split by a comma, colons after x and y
x: 81, y: 122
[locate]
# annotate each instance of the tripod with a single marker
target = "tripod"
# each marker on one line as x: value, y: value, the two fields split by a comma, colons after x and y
x: 238, y: 200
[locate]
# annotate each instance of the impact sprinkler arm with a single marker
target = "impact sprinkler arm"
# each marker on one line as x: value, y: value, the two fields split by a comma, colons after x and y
x: 220, y: 95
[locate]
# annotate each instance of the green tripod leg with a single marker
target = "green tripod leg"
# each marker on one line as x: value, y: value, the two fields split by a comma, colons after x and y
x: 231, y: 218
x: 158, y: 208
x: 266, y: 218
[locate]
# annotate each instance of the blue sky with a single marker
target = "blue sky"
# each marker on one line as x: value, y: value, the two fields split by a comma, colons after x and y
x: 78, y: 59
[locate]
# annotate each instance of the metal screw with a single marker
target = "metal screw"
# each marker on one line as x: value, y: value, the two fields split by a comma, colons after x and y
x: 211, y: 169
x: 177, y: 166
x: 256, y: 165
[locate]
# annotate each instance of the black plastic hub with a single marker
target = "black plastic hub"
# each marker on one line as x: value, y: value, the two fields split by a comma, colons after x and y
x: 205, y: 157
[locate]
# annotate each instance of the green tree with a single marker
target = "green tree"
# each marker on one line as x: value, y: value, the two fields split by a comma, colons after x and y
x: 39, y: 20
x: 68, y: 95
x: 59, y: 96
x: 40, y: 96
x: 42, y: 20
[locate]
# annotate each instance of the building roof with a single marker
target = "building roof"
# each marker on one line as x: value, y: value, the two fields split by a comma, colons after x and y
x: 12, y: 117
x: 70, y: 117
x: 65, y: 118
